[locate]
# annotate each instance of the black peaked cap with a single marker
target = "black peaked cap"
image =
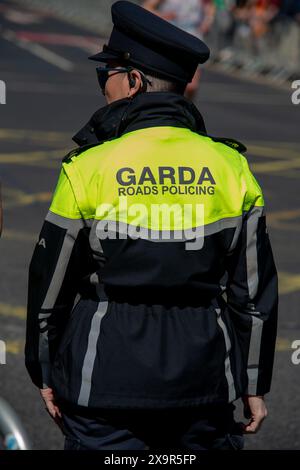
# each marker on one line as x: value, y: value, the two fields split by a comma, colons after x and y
x: 142, y: 39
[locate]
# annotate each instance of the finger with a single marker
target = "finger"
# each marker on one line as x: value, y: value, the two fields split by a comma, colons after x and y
x: 251, y: 428
x: 54, y: 413
x: 50, y: 413
x: 52, y: 408
x: 57, y: 410
x: 254, y: 425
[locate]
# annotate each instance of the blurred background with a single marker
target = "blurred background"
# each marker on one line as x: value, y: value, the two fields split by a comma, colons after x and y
x: 244, y: 92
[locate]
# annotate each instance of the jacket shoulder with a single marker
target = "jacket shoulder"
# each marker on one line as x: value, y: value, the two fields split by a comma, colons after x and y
x: 232, y: 143
x: 78, y: 151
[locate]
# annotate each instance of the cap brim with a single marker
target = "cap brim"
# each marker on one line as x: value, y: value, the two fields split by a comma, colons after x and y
x: 103, y: 56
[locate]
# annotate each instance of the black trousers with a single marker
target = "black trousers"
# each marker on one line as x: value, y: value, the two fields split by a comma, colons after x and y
x: 209, y: 427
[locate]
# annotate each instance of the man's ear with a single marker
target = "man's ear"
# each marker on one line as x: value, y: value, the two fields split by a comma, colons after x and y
x: 143, y: 81
x: 136, y: 82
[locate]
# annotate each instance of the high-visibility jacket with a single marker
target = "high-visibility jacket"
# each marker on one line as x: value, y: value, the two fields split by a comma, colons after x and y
x: 153, y: 283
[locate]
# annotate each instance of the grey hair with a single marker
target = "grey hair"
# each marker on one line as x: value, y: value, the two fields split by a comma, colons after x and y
x: 163, y: 84
x: 158, y: 83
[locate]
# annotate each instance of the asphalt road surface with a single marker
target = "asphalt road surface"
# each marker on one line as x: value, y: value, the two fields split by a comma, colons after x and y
x: 51, y: 91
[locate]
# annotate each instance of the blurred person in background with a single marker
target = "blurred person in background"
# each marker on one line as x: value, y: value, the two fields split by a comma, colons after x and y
x: 262, y: 13
x: 253, y: 22
x: 193, y: 16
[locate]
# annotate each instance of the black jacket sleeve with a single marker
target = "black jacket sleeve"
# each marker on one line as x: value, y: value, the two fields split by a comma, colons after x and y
x: 252, y: 292
x: 61, y: 259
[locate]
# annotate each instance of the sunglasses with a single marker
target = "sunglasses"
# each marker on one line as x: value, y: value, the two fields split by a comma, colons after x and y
x: 103, y: 74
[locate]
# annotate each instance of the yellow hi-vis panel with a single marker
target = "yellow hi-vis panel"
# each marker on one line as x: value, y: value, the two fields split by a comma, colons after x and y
x: 158, y: 178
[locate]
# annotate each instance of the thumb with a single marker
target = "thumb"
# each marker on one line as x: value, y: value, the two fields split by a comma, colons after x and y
x: 253, y: 426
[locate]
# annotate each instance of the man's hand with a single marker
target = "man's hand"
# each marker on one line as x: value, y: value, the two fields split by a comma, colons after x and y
x: 255, y: 410
x: 51, y: 406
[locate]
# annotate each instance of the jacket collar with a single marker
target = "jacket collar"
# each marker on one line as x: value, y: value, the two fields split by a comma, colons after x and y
x: 144, y: 110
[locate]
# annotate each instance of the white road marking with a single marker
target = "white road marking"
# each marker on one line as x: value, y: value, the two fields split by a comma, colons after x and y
x: 39, y: 51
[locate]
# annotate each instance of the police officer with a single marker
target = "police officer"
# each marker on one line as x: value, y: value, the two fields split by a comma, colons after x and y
x: 152, y: 298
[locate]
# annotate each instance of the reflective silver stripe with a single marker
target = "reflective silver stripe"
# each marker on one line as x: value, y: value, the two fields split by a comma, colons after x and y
x: 173, y: 235
x: 95, y: 281
x: 90, y: 355
x: 44, y: 316
x: 94, y: 240
x: 60, y: 271
x: 251, y: 250
x: 228, y: 222
x: 236, y: 235
x: 252, y: 219
x: 65, y: 222
x: 254, y: 354
x: 43, y: 324
x: 72, y: 227
x: 44, y: 359
x: 228, y: 372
